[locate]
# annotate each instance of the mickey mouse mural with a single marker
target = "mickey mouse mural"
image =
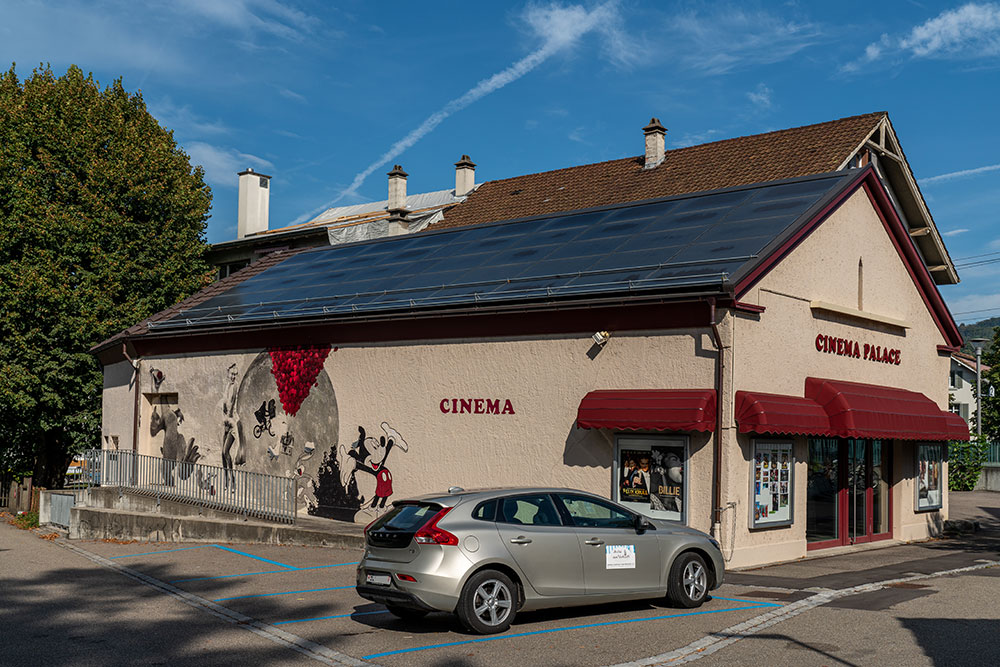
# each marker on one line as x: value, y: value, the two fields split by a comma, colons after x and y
x: 370, y: 456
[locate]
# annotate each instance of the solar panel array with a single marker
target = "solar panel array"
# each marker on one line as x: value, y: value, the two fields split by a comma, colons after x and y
x: 681, y: 242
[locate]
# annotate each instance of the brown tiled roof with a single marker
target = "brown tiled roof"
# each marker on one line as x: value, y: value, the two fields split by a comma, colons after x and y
x: 800, y: 151
x: 218, y: 287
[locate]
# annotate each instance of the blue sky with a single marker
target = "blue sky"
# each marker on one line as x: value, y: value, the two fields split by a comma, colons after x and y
x: 327, y: 96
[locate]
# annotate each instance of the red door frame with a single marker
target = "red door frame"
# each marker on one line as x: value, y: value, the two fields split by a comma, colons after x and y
x: 844, y: 498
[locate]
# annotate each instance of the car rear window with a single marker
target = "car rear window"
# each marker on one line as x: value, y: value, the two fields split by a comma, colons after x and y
x: 485, y: 511
x: 406, y: 518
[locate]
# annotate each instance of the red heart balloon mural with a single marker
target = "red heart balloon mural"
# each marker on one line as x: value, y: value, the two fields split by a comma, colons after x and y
x: 295, y: 371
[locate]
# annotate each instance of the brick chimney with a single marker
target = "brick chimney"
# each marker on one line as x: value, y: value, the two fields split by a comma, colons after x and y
x: 254, y: 198
x: 397, y: 190
x: 465, y: 176
x: 655, y: 136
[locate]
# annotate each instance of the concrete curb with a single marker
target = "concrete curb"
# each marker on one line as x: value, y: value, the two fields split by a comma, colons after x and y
x: 94, y: 523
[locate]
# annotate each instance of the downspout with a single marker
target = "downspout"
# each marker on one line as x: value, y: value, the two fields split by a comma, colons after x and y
x: 717, y: 458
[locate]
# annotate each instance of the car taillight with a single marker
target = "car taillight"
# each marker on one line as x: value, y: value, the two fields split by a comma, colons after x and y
x: 431, y: 534
x: 369, y: 526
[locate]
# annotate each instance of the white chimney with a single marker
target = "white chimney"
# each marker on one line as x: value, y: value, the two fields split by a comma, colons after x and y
x: 465, y: 176
x: 655, y: 150
x: 397, y: 189
x: 254, y: 198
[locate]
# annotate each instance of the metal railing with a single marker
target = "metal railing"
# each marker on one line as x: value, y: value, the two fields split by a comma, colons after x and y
x: 253, y: 494
x: 993, y: 454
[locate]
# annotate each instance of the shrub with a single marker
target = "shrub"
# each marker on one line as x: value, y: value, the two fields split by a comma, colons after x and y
x: 965, y: 463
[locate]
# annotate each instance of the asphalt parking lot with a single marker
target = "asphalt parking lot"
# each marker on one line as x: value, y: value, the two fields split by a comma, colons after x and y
x: 310, y: 593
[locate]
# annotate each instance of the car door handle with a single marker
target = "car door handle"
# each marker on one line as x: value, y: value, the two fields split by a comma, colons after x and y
x: 594, y: 542
x: 520, y: 539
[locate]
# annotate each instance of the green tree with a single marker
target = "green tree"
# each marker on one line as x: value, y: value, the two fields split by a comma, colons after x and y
x: 102, y: 222
x: 991, y: 378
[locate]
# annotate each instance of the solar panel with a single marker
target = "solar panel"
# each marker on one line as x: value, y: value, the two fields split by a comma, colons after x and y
x: 694, y: 240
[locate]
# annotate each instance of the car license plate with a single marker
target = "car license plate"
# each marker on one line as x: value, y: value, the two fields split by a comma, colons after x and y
x: 378, y: 579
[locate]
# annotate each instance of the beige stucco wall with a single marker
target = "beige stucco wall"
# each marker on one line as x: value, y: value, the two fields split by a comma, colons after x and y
x: 117, y: 406
x: 403, y: 385
x: 775, y: 351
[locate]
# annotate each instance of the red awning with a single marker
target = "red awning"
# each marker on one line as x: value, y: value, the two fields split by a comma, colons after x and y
x: 648, y: 410
x: 757, y: 412
x: 870, y: 411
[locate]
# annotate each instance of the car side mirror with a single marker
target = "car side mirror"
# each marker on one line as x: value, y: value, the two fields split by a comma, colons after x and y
x: 642, y: 524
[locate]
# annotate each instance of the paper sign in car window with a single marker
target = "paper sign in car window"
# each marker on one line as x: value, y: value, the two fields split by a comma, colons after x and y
x: 619, y: 556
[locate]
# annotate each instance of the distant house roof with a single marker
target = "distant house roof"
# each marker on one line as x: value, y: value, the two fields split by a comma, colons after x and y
x: 791, y: 153
x: 969, y: 362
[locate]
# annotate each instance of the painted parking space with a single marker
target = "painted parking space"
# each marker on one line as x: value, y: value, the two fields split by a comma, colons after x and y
x: 310, y: 592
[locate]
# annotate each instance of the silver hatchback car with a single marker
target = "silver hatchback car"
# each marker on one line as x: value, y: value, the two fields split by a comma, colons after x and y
x: 485, y: 555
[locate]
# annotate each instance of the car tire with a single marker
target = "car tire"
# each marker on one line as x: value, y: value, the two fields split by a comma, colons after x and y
x: 488, y: 603
x: 406, y: 613
x: 687, y: 586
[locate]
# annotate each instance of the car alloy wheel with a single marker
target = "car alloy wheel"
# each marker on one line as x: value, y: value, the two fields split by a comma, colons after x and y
x: 488, y: 602
x: 695, y: 580
x: 689, y: 581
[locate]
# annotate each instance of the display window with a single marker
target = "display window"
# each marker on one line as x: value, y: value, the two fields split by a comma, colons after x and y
x: 930, y: 476
x: 650, y: 475
x: 771, y: 483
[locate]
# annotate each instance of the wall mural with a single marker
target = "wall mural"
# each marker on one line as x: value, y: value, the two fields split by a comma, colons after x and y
x: 279, y: 416
x: 174, y: 449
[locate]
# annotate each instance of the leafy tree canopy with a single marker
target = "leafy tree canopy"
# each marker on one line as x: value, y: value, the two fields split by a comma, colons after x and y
x: 102, y: 222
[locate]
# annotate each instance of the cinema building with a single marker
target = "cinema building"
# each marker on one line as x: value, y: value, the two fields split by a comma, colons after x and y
x: 746, y: 337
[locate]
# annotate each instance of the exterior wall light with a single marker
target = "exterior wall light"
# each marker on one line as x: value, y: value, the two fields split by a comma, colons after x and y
x: 601, y: 337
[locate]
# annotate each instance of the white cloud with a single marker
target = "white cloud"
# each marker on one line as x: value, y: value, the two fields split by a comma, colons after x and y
x: 974, y: 307
x: 969, y: 32
x: 760, y: 97
x: 578, y: 135
x: 292, y: 95
x: 964, y: 173
x: 251, y: 16
x: 698, y: 138
x: 732, y: 38
x: 954, y: 232
x: 183, y: 120
x: 222, y: 164
x: 558, y: 28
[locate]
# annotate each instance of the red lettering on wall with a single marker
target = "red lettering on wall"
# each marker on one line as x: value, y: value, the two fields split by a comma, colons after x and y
x: 851, y: 348
x: 476, y: 406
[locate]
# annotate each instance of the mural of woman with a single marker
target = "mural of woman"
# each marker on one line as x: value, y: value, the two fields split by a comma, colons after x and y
x: 232, y: 432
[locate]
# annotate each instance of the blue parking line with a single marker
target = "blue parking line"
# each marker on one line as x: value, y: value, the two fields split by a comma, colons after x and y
x: 551, y: 630
x: 267, y: 595
x: 760, y: 602
x: 165, y: 551
x: 326, y: 618
x: 254, y: 574
x: 241, y: 553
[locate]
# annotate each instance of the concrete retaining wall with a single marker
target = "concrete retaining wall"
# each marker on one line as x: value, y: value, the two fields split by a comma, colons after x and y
x: 989, y: 480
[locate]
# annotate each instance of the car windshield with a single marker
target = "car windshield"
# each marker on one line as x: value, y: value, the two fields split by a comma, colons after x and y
x: 408, y: 518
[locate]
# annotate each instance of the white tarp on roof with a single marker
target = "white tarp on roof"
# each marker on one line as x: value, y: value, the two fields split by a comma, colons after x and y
x: 413, y: 202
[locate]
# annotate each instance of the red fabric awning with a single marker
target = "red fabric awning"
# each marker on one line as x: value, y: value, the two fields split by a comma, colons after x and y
x: 648, y: 410
x: 859, y: 410
x: 757, y: 412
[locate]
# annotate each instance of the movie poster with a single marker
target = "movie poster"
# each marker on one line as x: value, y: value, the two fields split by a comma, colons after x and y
x: 772, y: 465
x: 929, y: 491
x: 652, y: 480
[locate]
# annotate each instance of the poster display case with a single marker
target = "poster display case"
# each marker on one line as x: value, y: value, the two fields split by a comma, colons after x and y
x: 930, y: 476
x: 649, y: 476
x: 771, y: 484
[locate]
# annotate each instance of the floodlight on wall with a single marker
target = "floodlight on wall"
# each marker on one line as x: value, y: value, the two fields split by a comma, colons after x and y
x: 601, y: 337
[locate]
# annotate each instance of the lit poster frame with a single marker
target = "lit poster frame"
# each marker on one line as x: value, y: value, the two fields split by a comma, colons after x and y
x: 772, y: 483
x: 929, y: 478
x: 658, y: 489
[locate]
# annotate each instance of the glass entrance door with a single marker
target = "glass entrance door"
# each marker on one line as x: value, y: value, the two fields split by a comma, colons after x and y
x: 848, y: 492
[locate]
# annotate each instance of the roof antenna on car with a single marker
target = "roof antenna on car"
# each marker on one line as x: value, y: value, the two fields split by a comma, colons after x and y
x: 455, y: 489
